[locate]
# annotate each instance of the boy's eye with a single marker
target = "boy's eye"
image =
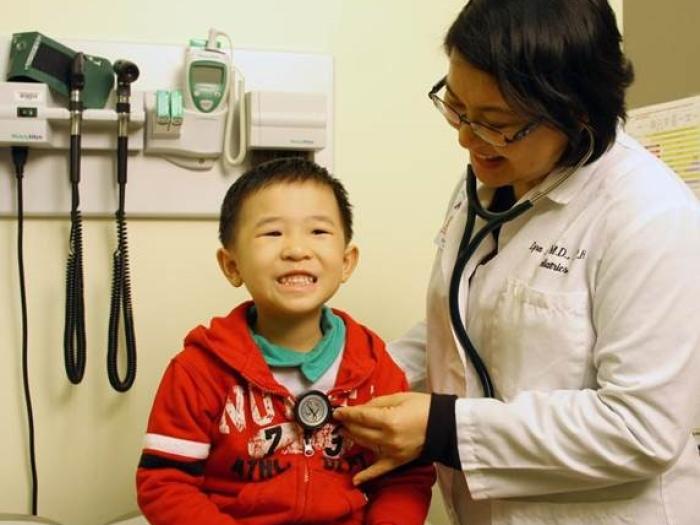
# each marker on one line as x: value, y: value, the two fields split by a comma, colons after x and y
x: 320, y: 231
x: 271, y: 233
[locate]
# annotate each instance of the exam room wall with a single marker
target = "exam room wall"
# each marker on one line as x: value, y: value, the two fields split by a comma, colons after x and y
x: 398, y: 160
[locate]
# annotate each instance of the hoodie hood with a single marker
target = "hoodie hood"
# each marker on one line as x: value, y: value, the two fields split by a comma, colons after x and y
x: 228, y: 340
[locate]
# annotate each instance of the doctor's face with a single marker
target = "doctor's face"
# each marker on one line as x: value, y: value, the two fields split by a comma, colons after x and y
x: 522, y: 164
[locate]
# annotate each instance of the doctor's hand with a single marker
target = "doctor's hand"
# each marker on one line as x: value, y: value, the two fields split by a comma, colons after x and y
x: 393, y: 426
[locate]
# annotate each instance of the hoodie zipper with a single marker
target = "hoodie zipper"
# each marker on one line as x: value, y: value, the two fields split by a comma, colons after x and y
x: 306, y: 478
x: 308, y: 449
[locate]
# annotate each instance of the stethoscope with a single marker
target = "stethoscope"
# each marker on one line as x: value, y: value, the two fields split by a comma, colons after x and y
x: 470, y: 243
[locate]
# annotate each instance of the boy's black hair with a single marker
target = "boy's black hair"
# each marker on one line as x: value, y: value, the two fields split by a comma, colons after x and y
x: 283, y: 170
x: 554, y: 59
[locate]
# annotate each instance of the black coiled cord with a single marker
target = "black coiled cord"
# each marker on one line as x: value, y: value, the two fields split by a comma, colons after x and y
x: 127, y: 72
x: 74, y: 346
x: 121, y: 300
x: 74, y: 341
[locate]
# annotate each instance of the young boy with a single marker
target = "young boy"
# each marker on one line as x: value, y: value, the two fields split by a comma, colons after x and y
x: 241, y: 429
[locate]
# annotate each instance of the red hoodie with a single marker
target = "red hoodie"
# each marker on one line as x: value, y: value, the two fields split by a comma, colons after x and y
x: 222, y: 446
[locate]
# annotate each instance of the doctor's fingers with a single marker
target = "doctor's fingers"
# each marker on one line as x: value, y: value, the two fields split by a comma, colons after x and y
x: 376, y: 413
x: 390, y: 400
x: 376, y: 469
x: 361, y: 416
x: 371, y: 438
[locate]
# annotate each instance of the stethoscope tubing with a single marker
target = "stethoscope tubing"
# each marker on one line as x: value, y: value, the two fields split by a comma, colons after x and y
x: 467, y: 248
x: 469, y: 245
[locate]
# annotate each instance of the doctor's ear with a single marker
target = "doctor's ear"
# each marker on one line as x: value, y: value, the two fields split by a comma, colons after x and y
x: 229, y: 267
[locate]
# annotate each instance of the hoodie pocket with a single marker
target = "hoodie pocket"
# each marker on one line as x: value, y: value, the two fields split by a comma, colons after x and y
x: 278, y: 497
x: 333, y: 497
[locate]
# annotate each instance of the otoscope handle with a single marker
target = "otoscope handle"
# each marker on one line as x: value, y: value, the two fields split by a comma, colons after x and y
x: 76, y: 74
x: 75, y: 158
x: 122, y: 152
x: 76, y: 79
x: 127, y: 72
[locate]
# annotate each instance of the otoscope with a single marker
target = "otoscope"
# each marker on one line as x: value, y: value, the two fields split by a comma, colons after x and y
x: 74, y: 346
x: 126, y: 72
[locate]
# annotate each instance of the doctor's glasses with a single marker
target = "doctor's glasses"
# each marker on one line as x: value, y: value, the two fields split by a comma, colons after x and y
x: 487, y: 133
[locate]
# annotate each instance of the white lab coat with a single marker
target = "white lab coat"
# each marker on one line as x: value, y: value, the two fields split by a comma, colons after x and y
x: 588, y: 321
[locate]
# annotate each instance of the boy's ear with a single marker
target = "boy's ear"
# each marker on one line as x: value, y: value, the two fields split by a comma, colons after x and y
x: 229, y: 267
x: 350, y: 258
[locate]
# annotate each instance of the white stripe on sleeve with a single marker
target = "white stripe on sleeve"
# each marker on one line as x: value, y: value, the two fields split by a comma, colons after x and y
x: 179, y: 447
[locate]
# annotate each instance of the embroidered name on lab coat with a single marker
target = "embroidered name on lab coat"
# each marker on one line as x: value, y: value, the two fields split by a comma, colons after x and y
x: 557, y: 258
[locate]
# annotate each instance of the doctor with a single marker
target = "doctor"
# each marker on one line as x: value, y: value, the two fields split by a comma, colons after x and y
x: 584, y: 309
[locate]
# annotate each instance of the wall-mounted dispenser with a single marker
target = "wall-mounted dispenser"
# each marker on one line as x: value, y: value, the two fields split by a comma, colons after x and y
x: 286, y: 120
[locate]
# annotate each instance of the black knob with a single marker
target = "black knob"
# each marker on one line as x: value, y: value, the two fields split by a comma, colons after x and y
x: 76, y: 74
x: 127, y: 72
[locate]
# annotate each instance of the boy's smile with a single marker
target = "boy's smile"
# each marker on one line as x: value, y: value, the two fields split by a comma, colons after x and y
x: 289, y: 250
x: 298, y: 279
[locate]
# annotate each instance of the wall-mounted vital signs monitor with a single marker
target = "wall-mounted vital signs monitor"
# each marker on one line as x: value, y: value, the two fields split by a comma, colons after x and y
x: 207, y: 79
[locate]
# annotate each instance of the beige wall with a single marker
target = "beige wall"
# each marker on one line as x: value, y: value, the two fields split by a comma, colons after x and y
x: 398, y: 160
x: 651, y: 34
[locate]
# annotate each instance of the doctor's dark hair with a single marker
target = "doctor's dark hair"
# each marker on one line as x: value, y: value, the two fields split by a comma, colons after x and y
x: 279, y: 171
x: 559, y: 60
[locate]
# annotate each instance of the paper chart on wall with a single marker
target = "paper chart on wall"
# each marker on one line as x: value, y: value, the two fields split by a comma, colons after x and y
x: 671, y: 131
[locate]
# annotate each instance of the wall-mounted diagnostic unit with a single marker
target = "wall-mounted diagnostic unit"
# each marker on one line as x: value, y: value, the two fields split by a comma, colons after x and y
x: 206, y: 78
x: 190, y: 126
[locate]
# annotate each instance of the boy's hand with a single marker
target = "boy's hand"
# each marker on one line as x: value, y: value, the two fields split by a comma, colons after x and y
x: 393, y: 426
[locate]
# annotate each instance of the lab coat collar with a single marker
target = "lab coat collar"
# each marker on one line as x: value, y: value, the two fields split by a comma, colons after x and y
x: 567, y: 190
x: 575, y: 183
x: 562, y: 194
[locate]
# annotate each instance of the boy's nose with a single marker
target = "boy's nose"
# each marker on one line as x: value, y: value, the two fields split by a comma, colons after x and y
x: 295, y: 251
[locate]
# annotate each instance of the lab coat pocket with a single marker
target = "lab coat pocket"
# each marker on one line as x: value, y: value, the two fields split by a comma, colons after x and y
x: 540, y: 340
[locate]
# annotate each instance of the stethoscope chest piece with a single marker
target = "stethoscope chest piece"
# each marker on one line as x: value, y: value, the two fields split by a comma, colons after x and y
x: 312, y: 410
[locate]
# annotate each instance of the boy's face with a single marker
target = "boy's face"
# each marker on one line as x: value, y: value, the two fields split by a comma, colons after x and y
x: 289, y: 249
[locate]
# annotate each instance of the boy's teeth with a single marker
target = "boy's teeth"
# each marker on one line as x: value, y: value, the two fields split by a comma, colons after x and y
x: 297, y: 279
